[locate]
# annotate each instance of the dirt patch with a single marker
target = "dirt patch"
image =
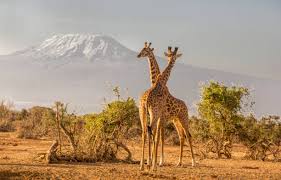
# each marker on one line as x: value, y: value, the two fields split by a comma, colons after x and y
x: 20, y: 162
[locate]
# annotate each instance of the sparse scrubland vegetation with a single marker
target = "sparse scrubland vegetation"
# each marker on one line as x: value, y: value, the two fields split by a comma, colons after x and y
x: 222, y: 123
x: 90, y: 137
x: 105, y: 136
x: 7, y: 116
x: 97, y: 137
x: 101, y: 136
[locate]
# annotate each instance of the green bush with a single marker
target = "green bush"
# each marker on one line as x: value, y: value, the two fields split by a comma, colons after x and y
x: 221, y: 107
x: 107, y: 130
x: 261, y: 137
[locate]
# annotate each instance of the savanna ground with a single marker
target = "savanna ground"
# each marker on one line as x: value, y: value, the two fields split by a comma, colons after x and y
x: 23, y: 159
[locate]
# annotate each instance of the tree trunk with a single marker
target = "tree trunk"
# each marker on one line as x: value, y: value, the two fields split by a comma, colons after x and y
x: 70, y: 138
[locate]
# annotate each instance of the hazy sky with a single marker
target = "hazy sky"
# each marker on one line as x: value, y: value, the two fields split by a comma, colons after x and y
x: 242, y: 36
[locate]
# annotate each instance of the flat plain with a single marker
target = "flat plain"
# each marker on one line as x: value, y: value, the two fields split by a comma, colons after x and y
x: 23, y: 159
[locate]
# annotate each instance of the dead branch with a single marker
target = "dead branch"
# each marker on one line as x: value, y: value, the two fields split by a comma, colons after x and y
x: 52, y: 152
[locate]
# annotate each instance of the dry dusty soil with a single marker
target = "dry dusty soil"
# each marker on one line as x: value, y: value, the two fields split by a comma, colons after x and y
x: 20, y: 159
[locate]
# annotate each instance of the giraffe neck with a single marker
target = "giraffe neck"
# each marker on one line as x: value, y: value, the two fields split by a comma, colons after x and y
x: 166, y: 73
x: 154, y: 68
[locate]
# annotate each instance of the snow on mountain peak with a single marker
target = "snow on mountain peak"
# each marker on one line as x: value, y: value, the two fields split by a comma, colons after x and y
x: 90, y: 46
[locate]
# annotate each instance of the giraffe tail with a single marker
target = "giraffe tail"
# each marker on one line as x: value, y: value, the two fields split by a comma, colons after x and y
x: 189, y: 135
x: 149, y: 130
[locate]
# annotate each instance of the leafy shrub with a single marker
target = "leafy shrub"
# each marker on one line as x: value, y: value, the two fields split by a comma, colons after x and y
x: 108, y: 130
x: 221, y: 106
x: 261, y: 137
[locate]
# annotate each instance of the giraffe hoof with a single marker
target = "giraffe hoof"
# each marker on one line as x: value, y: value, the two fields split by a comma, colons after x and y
x: 161, y: 164
x: 193, y: 163
x: 153, y: 169
x: 179, y: 164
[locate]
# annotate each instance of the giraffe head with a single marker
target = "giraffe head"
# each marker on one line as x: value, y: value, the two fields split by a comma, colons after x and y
x: 146, y: 51
x: 172, y: 55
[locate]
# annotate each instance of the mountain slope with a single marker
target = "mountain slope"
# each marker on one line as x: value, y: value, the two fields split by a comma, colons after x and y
x: 79, y: 68
x: 88, y: 46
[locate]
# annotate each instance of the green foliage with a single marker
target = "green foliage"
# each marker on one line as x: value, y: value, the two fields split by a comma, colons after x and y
x: 221, y: 106
x: 199, y: 129
x: 100, y: 136
x: 116, y: 113
x: 107, y: 130
x: 261, y: 137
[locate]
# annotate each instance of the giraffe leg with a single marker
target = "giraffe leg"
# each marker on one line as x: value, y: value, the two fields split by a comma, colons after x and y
x: 155, y: 145
x: 191, y: 149
x: 149, y: 155
x: 150, y: 136
x: 181, y: 150
x: 162, y: 147
x: 143, y: 119
x: 184, y: 122
x: 143, y: 147
x: 181, y: 138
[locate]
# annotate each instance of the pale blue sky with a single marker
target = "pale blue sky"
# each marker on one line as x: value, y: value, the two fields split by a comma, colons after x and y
x: 241, y: 36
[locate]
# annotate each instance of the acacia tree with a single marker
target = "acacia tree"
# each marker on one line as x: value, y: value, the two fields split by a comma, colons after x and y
x: 221, y: 107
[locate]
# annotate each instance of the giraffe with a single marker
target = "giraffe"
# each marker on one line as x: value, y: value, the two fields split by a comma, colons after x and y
x: 154, y: 72
x: 161, y: 106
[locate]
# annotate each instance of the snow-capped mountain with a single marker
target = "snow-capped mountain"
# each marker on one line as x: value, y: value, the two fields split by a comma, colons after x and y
x: 78, y: 68
x: 88, y: 46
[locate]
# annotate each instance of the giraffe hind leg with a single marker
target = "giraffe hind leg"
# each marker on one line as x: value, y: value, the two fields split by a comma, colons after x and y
x: 155, y: 145
x: 181, y: 135
x: 184, y: 123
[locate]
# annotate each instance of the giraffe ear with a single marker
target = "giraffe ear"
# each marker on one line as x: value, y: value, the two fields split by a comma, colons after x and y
x: 179, y: 55
x: 166, y: 54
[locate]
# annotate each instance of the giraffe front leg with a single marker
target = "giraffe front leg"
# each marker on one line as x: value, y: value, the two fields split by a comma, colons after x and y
x: 143, y: 147
x: 162, y: 147
x: 143, y: 116
x: 155, y: 145
x: 149, y: 136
